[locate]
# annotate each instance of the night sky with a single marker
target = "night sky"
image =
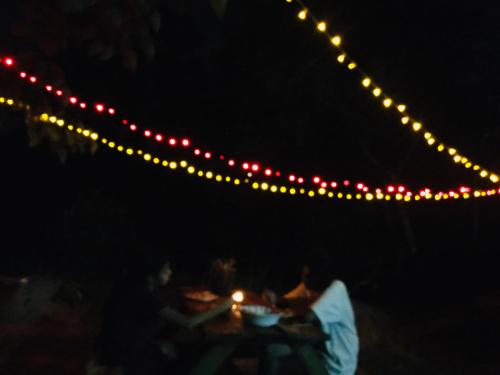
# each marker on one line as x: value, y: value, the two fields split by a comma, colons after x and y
x: 260, y: 85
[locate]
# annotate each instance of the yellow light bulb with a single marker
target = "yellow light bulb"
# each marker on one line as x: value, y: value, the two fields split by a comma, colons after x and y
x: 156, y: 160
x: 322, y: 191
x: 71, y: 127
x: 330, y: 194
x: 387, y: 197
x: 218, y: 178
x: 336, y: 40
x: 173, y: 165
x: 405, y: 120
x: 228, y: 179
x: 457, y: 158
x: 440, y: 147
x: 399, y: 196
x: 44, y: 117
x: 302, y: 191
x: 417, y: 126
x: 129, y: 151
x: 94, y: 136
x: 366, y: 82
x: 341, y: 58
x: 464, y: 160
x: 10, y: 101
x: 340, y: 195
x: 283, y: 189
x: 303, y: 14
x: 348, y: 196
x: 86, y: 132
x: 292, y: 191
x: 255, y: 185
x: 468, y: 165
x: 358, y: 196
x: 53, y: 119
x: 311, y: 193
x: 466, y: 196
x: 369, y: 197
x: 427, y: 135
x: 387, y: 102
x: 483, y: 173
x: 407, y: 198
x: 191, y: 170
x: 380, y: 196
x: 183, y: 164
x: 264, y: 186
x: 417, y: 197
x: 120, y: 148
x: 164, y: 163
x: 476, y: 167
x: 79, y: 131
x: 139, y: 152
x: 238, y: 296
x: 452, y: 151
x: 377, y: 92
x: 401, y: 108
x: 494, y: 178
x: 146, y: 157
x: 237, y: 182
x: 322, y: 26
x: 209, y: 175
x: 2, y: 99
x: 431, y: 141
x: 274, y: 189
x: 351, y: 65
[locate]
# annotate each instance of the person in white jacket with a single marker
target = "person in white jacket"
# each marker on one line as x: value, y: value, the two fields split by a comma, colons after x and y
x: 332, y: 310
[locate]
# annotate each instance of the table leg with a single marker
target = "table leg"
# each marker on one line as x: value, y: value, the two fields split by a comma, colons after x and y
x: 213, y: 359
x: 310, y: 359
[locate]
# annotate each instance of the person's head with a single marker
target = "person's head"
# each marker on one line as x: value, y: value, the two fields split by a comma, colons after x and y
x: 318, y: 272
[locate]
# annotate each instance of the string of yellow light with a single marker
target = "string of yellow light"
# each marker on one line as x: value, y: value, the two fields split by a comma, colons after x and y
x: 190, y: 169
x: 388, y: 101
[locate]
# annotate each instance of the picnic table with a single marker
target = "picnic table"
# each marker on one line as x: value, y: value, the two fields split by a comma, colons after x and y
x: 227, y: 333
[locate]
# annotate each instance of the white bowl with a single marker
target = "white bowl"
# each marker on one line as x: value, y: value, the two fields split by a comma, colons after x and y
x: 258, y: 315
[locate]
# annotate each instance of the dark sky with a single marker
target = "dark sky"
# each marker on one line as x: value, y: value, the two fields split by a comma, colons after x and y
x: 260, y: 85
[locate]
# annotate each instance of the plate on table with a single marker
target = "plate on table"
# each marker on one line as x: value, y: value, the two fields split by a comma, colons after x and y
x: 201, y: 296
x: 261, y: 316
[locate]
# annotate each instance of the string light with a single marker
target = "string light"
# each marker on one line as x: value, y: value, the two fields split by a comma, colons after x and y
x: 368, y: 83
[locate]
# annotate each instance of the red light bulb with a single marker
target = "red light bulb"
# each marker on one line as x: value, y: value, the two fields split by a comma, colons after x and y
x: 73, y: 100
x: 255, y: 167
x: 231, y: 163
x: 291, y: 178
x: 268, y: 172
x: 245, y: 166
x: 59, y: 93
x: 111, y: 111
x: 22, y: 74
x: 197, y: 152
x: 316, y: 179
x: 185, y: 142
x: 33, y: 79
x: 48, y: 88
x: 159, y: 137
x: 83, y: 105
x: 300, y: 180
x: 147, y: 133
x: 172, y: 141
x: 333, y: 184
x: 208, y: 155
x: 99, y: 107
x: 133, y: 127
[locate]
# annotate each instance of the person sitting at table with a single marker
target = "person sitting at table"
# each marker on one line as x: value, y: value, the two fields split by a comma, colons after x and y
x: 133, y: 317
x: 332, y: 310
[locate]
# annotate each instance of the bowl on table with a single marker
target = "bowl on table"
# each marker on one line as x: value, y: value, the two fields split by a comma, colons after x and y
x: 261, y: 316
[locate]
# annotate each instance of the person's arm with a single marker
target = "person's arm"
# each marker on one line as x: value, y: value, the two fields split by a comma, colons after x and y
x: 182, y: 320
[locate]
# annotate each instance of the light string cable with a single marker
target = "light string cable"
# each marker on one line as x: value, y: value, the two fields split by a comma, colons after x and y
x: 388, y: 102
x: 191, y: 169
x: 249, y: 168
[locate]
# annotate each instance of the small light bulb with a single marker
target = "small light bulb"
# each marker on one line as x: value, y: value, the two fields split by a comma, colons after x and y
x: 341, y: 58
x: 303, y: 14
x: 377, y: 92
x: 387, y: 102
x: 238, y: 296
x: 351, y: 65
x: 322, y: 26
x: 401, y: 108
x: 417, y: 126
x: 366, y: 82
x: 336, y: 40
